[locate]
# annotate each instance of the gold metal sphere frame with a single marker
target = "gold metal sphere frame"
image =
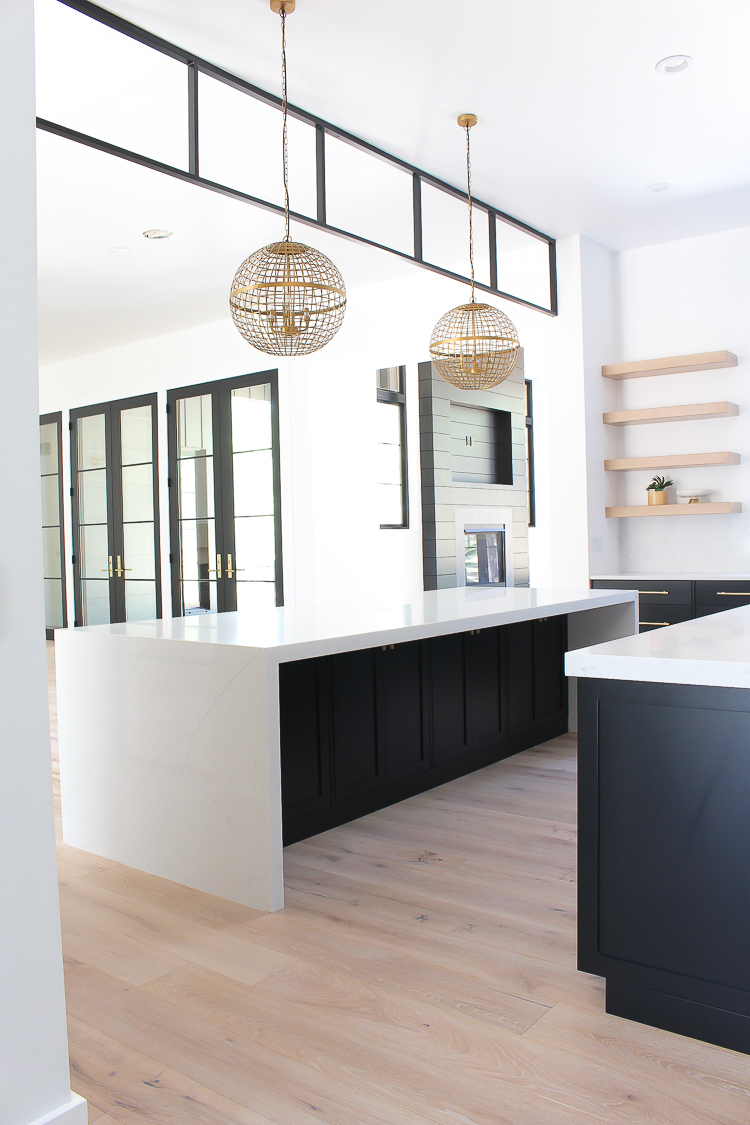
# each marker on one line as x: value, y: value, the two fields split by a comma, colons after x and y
x: 474, y: 347
x: 288, y: 299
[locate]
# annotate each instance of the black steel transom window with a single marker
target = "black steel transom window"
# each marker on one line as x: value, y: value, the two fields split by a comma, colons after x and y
x: 393, y: 492
x: 187, y: 108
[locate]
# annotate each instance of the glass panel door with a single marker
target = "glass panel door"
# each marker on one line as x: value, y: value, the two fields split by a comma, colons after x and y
x: 115, y: 512
x: 225, y: 512
x: 53, y: 538
x: 253, y: 524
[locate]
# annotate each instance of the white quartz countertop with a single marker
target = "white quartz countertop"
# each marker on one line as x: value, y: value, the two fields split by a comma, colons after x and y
x: 291, y: 632
x: 713, y: 651
x: 671, y: 576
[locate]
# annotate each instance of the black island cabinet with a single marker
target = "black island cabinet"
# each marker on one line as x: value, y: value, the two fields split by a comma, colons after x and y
x: 664, y: 854
x: 361, y: 730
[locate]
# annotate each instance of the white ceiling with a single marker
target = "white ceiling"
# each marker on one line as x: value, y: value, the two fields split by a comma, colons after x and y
x: 574, y: 123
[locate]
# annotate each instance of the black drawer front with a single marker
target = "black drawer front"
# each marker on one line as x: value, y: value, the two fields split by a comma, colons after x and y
x: 652, y: 592
x: 722, y: 595
x: 656, y: 617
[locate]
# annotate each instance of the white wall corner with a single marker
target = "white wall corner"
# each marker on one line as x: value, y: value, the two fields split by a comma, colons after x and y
x: 73, y: 1112
x: 598, y: 280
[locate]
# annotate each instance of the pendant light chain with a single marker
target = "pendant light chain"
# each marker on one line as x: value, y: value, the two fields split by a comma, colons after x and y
x: 283, y: 101
x: 474, y: 346
x: 471, y: 225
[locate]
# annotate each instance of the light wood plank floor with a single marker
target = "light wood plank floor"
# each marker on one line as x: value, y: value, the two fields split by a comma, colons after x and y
x: 422, y: 971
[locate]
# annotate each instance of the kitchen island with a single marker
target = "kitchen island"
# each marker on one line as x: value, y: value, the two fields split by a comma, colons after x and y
x: 192, y: 748
x: 664, y: 825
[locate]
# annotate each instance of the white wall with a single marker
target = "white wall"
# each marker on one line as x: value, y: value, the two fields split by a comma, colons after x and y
x: 333, y: 546
x: 34, y: 1079
x: 678, y: 297
x: 558, y: 551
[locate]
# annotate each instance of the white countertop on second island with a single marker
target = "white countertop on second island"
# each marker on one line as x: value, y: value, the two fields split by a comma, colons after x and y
x: 713, y: 651
x: 294, y: 632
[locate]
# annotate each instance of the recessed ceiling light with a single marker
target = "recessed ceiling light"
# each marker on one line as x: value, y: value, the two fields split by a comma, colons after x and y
x: 657, y: 187
x: 673, y: 64
x: 120, y: 249
x: 156, y: 232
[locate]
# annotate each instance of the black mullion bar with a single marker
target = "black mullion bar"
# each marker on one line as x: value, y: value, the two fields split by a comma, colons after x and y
x: 417, y: 210
x: 150, y: 40
x: 320, y: 172
x: 492, y: 225
x: 193, y: 119
x: 553, y: 277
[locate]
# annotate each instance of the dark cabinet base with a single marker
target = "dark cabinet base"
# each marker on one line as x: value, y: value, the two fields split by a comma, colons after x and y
x: 683, y: 1017
x: 663, y: 845
x: 362, y: 730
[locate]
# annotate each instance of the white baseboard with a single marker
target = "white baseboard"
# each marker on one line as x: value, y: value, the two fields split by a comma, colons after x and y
x: 74, y: 1112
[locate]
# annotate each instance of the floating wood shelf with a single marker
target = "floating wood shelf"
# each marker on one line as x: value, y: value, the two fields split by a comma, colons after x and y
x: 725, y: 508
x: 670, y: 461
x: 671, y: 365
x: 692, y: 412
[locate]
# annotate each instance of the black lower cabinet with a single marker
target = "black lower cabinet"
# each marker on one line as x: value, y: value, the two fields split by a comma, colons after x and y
x: 358, y: 758
x: 450, y: 735
x: 361, y: 730
x: 664, y: 840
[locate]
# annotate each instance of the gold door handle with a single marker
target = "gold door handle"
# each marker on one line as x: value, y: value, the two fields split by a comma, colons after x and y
x: 231, y: 572
x: 652, y: 591
x: 217, y: 572
x: 120, y: 569
x: 733, y: 593
x: 108, y: 569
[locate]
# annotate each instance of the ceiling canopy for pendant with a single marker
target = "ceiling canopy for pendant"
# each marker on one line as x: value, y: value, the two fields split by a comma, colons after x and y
x: 287, y: 298
x: 474, y: 346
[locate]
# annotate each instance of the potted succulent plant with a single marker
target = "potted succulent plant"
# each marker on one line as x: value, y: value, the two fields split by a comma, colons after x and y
x: 657, y: 490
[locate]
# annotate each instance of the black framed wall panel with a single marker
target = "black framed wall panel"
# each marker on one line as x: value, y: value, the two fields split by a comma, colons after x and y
x: 664, y: 894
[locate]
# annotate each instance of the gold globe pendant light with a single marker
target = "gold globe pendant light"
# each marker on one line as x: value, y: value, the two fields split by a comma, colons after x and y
x: 287, y: 298
x: 474, y: 346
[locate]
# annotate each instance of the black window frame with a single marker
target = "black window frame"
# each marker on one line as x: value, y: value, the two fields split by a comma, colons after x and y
x: 56, y: 420
x: 398, y: 398
x: 529, y: 421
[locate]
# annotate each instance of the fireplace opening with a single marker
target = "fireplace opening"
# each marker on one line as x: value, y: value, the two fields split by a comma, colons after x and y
x: 484, y: 556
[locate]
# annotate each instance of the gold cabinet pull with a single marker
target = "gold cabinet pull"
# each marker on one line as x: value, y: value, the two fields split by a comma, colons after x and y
x: 652, y: 591
x: 733, y: 593
x: 653, y: 623
x: 108, y: 570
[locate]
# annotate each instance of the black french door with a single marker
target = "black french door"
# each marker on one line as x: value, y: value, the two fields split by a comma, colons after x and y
x: 53, y: 536
x: 115, y: 499
x: 224, y: 495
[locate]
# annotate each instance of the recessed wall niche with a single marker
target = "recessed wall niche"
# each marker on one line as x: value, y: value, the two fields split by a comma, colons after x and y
x: 481, y: 445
